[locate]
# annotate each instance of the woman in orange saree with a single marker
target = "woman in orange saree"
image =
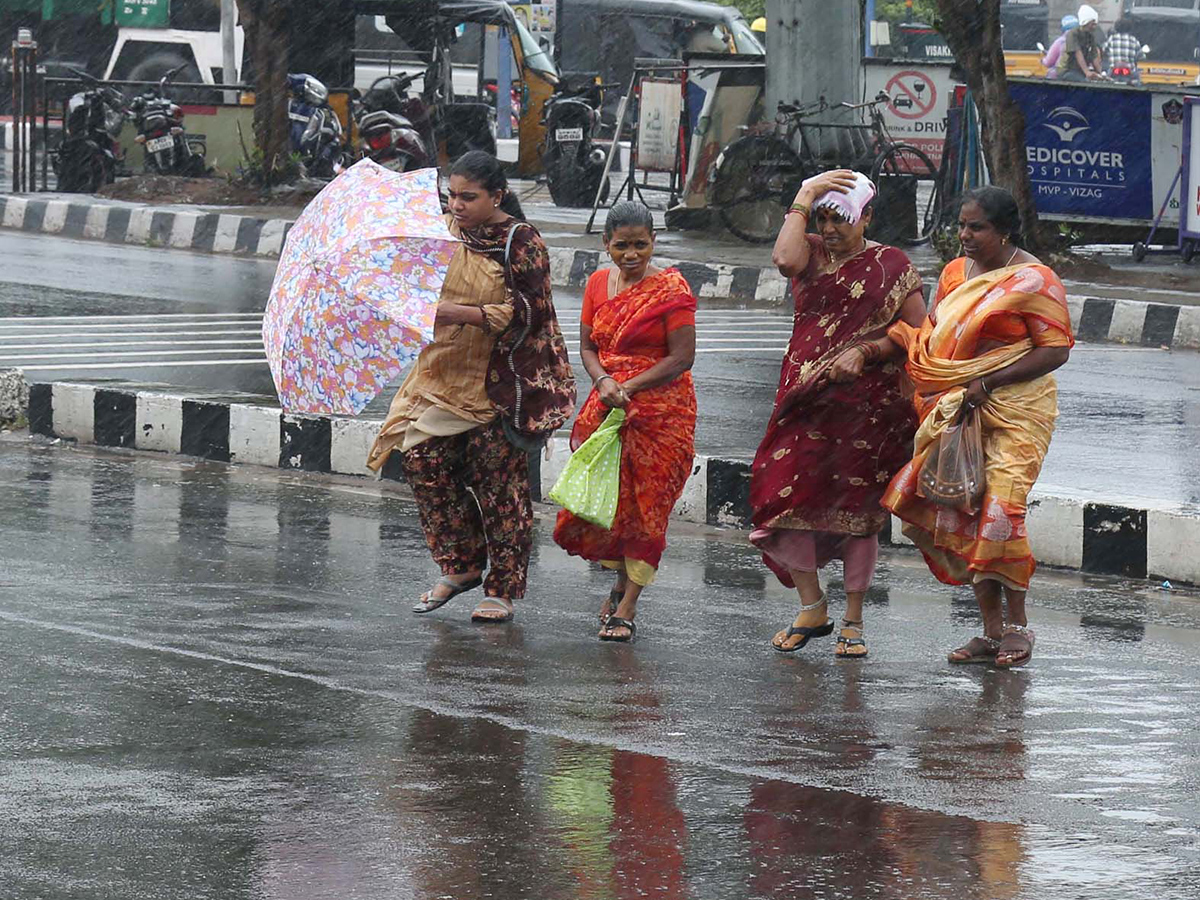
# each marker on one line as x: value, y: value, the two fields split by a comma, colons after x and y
x: 998, y: 327
x: 637, y: 341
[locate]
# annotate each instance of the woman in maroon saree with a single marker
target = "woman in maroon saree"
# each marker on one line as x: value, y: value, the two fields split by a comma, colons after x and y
x: 842, y: 425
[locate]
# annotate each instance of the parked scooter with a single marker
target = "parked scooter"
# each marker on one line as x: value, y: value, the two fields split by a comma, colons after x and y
x: 316, y: 131
x: 88, y: 156
x: 396, y: 129
x: 169, y: 149
x: 574, y: 163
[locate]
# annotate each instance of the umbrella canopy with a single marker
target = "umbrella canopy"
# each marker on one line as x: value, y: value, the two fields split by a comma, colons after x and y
x: 356, y: 291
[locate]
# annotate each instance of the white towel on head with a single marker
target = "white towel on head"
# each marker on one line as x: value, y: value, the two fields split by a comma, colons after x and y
x: 850, y: 205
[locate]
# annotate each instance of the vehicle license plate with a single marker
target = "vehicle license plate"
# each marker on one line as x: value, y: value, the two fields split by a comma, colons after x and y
x: 162, y: 143
x: 568, y: 135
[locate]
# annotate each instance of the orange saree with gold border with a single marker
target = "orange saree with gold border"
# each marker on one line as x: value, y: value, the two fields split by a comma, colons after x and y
x: 1018, y: 419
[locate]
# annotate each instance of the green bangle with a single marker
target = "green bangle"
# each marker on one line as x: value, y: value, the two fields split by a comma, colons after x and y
x: 800, y: 208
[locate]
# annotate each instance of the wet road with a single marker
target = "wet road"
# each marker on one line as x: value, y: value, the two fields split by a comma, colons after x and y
x: 1130, y: 416
x: 213, y: 689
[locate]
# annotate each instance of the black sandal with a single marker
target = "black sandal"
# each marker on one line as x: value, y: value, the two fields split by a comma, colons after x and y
x: 618, y: 622
x: 842, y: 648
x: 428, y: 603
x: 806, y: 631
x: 610, y: 605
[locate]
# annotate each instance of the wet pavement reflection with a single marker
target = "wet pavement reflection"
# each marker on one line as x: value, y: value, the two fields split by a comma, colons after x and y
x: 214, y: 690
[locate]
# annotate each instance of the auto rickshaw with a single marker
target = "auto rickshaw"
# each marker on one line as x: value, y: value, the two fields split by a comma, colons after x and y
x: 433, y: 28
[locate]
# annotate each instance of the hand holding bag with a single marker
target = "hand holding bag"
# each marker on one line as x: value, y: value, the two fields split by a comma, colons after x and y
x: 590, y: 483
x: 953, y: 472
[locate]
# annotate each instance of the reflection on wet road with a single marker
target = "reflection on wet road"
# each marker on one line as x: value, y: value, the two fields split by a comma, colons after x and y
x: 214, y: 690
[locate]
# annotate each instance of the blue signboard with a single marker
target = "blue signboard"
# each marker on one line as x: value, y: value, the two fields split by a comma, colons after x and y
x: 1088, y: 150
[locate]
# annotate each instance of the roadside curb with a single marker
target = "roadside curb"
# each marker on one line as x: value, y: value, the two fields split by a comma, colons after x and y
x: 1095, y: 319
x: 1070, y: 532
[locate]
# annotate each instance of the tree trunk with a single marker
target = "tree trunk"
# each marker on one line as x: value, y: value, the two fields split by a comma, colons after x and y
x: 267, y: 28
x: 972, y: 30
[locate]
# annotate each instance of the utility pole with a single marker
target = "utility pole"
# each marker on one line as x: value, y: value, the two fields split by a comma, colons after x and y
x: 814, y: 50
x: 229, y: 72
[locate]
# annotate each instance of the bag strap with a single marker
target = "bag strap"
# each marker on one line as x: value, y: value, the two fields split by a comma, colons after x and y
x: 508, y: 246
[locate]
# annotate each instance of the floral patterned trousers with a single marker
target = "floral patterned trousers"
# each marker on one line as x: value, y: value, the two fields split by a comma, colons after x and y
x: 472, y: 491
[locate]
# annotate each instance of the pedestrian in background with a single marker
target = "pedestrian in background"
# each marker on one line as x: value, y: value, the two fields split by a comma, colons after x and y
x: 495, y: 378
x: 1123, y: 49
x: 1054, y: 54
x: 842, y: 425
x: 637, y: 339
x: 998, y: 327
x: 1080, y: 59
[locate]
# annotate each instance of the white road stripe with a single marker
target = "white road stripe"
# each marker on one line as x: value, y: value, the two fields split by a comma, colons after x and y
x: 173, y: 364
x: 250, y: 342
x: 128, y: 316
x: 125, y: 353
x: 121, y: 327
x: 163, y: 334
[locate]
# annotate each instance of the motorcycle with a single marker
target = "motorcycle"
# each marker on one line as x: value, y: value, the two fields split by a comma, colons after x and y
x: 1128, y: 74
x: 396, y: 129
x: 169, y: 149
x: 573, y: 162
x: 88, y: 156
x: 316, y: 132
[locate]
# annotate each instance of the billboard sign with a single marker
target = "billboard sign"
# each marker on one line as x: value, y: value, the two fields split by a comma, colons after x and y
x: 1088, y: 151
x: 143, y: 13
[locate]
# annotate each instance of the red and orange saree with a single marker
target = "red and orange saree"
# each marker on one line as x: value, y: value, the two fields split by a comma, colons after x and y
x: 1012, y: 310
x: 657, y: 441
x: 830, y: 449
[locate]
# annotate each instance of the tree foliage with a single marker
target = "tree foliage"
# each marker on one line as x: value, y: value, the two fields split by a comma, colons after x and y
x: 751, y: 9
x: 901, y: 11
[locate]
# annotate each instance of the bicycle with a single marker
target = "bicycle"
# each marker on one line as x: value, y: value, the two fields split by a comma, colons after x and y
x: 757, y: 175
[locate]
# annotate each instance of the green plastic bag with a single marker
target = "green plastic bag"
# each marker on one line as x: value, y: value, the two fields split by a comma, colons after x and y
x: 591, y: 481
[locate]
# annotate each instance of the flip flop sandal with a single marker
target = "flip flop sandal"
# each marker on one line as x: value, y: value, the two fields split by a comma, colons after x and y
x: 808, y: 633
x: 611, y: 604
x: 488, y: 604
x: 842, y: 648
x: 618, y: 622
x: 978, y: 650
x: 429, y: 603
x: 1017, y: 641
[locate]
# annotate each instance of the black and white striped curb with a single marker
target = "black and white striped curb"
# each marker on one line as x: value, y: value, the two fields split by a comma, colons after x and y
x: 1095, y: 319
x: 1100, y: 538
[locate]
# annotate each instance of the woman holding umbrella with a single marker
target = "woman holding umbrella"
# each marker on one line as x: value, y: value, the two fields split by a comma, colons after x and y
x: 493, y: 384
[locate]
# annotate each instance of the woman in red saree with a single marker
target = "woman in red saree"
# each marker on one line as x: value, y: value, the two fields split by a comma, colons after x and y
x: 998, y: 327
x: 637, y: 341
x: 841, y: 426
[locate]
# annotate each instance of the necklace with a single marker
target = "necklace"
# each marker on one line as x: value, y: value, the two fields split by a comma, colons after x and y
x: 971, y: 262
x: 835, y: 262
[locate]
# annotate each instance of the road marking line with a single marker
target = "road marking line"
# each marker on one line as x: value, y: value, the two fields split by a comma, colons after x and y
x: 24, y: 329
x: 250, y: 341
x: 124, y: 353
x: 128, y: 316
x: 172, y: 364
x: 25, y: 337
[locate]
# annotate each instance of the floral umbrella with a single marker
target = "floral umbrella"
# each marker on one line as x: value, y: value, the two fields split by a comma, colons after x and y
x: 356, y: 290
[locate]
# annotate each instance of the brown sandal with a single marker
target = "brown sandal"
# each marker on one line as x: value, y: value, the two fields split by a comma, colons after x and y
x: 981, y: 649
x: 1017, y: 644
